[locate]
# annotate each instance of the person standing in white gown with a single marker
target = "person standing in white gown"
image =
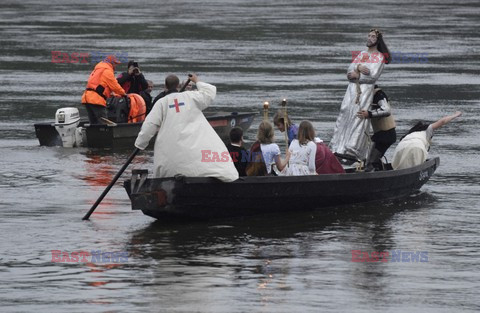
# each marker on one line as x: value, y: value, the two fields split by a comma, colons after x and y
x: 351, y: 133
x: 302, y: 152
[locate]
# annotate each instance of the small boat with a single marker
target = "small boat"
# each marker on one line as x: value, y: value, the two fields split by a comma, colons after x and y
x: 181, y: 198
x: 123, y: 135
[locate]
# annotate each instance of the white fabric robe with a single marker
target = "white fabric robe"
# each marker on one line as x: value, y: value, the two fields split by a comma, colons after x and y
x: 411, y: 151
x: 351, y: 133
x: 183, y: 136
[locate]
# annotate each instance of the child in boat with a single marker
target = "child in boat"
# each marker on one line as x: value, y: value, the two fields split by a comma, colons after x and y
x: 264, y: 153
x: 279, y: 122
x: 303, y: 151
x: 412, y: 150
x: 237, y: 151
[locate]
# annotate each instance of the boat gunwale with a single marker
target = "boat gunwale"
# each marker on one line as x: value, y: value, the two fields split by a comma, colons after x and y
x: 306, y: 179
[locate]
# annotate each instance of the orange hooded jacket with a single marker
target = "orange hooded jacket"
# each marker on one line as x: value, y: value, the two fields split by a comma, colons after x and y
x: 100, y: 84
x: 138, y: 109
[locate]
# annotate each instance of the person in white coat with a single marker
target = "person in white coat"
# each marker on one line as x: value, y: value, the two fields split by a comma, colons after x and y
x: 186, y: 143
x: 412, y: 150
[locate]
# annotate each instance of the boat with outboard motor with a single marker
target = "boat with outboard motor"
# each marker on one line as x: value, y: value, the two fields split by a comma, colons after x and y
x: 69, y: 131
x: 183, y: 197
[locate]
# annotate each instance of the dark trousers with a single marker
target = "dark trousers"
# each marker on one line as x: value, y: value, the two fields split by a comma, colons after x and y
x: 95, y: 113
x: 384, y: 139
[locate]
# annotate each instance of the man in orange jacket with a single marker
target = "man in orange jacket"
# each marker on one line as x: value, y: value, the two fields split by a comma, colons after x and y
x: 100, y: 85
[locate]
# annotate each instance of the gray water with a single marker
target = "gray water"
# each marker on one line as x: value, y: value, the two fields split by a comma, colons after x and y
x: 253, y: 51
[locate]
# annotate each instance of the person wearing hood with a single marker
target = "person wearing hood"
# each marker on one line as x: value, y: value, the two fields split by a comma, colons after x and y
x: 100, y: 86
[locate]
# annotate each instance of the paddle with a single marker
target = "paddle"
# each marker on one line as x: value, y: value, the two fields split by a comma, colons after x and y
x: 285, y: 120
x: 186, y: 83
x: 109, y: 122
x: 120, y: 172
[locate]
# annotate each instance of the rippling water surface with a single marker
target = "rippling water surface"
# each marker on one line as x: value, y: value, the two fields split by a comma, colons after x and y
x: 253, y: 51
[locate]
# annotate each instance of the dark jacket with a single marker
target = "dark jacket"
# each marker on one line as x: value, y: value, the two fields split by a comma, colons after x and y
x: 132, y: 83
x: 148, y: 100
x: 239, y: 156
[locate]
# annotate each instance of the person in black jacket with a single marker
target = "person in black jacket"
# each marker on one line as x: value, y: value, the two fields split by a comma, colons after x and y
x: 147, y: 96
x: 132, y: 81
x: 237, y: 152
x: 383, y: 124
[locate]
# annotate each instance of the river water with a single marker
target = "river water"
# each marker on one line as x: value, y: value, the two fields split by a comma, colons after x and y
x: 253, y: 51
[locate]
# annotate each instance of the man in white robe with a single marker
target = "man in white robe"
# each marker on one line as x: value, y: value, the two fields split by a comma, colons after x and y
x: 186, y: 143
x: 351, y: 133
x: 412, y: 150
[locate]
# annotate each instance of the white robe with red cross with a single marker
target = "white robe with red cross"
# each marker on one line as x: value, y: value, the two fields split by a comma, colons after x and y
x: 186, y: 144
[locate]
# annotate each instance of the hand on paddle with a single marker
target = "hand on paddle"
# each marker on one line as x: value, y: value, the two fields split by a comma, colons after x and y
x: 193, y: 78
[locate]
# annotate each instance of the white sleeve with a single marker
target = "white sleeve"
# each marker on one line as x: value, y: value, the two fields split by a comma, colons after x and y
x: 151, y: 125
x: 276, y: 149
x: 376, y: 69
x: 204, y: 96
x: 429, y: 132
x: 311, y: 159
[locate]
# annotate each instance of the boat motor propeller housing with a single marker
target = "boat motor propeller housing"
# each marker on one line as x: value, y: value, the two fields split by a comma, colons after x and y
x: 66, y: 123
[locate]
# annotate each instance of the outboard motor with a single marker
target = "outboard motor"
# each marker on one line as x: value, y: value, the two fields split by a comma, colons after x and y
x: 66, y: 123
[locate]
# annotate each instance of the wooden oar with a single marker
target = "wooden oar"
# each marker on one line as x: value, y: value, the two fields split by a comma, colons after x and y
x: 186, y: 83
x: 285, y: 120
x: 120, y: 172
x: 109, y: 122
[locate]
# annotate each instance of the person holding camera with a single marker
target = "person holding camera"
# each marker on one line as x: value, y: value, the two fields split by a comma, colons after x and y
x: 132, y: 81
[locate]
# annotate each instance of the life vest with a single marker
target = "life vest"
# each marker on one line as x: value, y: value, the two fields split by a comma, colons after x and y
x: 256, y: 165
x: 99, y: 85
x: 138, y: 108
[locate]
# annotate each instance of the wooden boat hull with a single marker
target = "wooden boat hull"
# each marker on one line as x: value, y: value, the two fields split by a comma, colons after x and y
x: 124, y: 134
x: 205, y: 198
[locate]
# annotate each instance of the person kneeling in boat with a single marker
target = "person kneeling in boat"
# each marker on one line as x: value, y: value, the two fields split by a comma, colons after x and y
x: 325, y: 161
x: 383, y: 124
x: 412, y: 150
x: 185, y: 140
x: 264, y: 153
x: 303, y: 151
x: 100, y: 85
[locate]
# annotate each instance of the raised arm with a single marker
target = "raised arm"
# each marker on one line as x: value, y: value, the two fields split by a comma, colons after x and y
x: 445, y: 120
x: 205, y: 94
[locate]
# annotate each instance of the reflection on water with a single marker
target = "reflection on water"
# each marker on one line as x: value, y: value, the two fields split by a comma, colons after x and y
x: 253, y: 52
